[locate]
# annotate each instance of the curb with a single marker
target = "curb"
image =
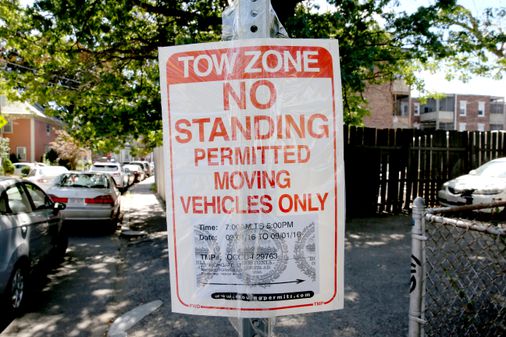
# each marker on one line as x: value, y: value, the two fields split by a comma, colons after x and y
x: 132, y: 317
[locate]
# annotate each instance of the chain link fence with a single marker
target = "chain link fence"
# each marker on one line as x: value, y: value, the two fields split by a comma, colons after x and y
x: 458, y: 283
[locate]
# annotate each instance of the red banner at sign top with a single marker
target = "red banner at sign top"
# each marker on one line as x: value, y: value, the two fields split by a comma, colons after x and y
x: 249, y: 62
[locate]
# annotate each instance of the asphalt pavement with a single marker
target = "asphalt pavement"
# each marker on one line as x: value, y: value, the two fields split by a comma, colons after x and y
x: 377, y: 271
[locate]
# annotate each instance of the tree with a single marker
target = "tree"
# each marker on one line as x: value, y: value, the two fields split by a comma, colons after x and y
x: 94, y: 64
x: 467, y: 44
x: 69, y: 150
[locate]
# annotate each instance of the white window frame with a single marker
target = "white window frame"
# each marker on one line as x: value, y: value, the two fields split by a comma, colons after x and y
x: 21, y: 153
x: 481, y: 127
x: 463, y: 108
x: 9, y: 127
x: 417, y: 109
x: 481, y: 109
x: 462, y: 126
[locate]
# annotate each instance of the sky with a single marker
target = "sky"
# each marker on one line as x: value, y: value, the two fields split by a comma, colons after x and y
x: 436, y: 83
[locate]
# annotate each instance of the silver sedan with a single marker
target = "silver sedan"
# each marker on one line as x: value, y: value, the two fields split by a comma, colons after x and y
x: 89, y: 196
x: 484, y: 185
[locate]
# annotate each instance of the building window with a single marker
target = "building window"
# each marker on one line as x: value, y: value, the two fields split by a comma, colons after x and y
x: 481, y: 127
x: 497, y: 108
x: 462, y: 126
x: 21, y: 153
x: 463, y: 108
x: 404, y: 109
x: 495, y: 127
x: 48, y: 129
x: 447, y: 103
x: 481, y: 109
x: 417, y: 109
x: 8, y: 128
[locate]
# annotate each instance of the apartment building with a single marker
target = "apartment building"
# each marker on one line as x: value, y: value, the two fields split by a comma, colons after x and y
x: 460, y: 112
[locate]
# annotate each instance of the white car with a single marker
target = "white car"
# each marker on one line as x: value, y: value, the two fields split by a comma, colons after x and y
x: 44, y: 176
x: 18, y: 167
x: 145, y: 165
x: 485, y: 184
x: 114, y: 169
x: 137, y: 170
x: 88, y: 196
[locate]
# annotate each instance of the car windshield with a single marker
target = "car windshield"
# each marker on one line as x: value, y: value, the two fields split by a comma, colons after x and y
x: 83, y: 180
x: 107, y: 168
x: 492, y: 169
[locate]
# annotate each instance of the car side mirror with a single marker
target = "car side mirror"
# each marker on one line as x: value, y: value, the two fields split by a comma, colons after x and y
x: 58, y: 206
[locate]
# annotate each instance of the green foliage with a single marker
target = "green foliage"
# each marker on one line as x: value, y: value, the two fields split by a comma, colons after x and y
x: 7, y: 166
x: 369, y: 53
x: 4, y: 147
x: 25, y: 171
x: 95, y: 65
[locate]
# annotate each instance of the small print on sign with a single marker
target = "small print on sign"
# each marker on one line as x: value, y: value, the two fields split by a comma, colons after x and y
x: 271, y: 257
x: 255, y: 176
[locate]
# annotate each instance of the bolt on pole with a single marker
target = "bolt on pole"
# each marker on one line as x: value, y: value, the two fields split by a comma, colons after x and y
x: 253, y: 19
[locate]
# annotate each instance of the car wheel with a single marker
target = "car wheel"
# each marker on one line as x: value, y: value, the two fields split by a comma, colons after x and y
x: 113, y: 224
x: 16, y: 289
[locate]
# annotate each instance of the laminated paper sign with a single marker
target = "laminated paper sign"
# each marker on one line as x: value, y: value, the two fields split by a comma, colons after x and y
x: 254, y: 176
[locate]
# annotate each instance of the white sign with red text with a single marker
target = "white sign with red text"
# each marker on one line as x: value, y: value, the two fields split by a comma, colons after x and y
x: 254, y: 176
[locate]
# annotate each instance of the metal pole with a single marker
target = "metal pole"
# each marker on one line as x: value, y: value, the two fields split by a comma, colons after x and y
x: 253, y: 22
x: 417, y: 281
x: 253, y: 19
x: 256, y: 327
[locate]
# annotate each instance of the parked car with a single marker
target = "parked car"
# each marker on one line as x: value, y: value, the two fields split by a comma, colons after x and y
x: 145, y: 165
x: 89, y: 196
x: 129, y: 174
x: 114, y: 169
x: 18, y: 167
x: 137, y: 170
x: 485, y: 184
x: 44, y: 176
x: 31, y: 236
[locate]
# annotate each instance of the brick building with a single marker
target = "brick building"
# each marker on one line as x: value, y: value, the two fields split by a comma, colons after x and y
x: 389, y: 105
x: 460, y: 112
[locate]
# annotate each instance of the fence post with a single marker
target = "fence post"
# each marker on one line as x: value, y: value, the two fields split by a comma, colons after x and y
x: 417, y: 281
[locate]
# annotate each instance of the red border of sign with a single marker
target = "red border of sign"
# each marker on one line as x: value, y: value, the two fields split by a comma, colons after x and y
x: 198, y: 306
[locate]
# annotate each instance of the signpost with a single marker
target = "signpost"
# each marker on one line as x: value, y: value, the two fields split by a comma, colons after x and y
x: 255, y: 203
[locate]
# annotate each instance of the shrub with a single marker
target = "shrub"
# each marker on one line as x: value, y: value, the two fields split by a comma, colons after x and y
x: 25, y: 170
x: 7, y: 166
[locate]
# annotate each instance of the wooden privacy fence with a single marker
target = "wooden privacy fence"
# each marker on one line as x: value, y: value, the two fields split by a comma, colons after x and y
x: 386, y: 169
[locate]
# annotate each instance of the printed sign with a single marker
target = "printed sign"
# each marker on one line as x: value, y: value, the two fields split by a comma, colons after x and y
x: 255, y: 176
